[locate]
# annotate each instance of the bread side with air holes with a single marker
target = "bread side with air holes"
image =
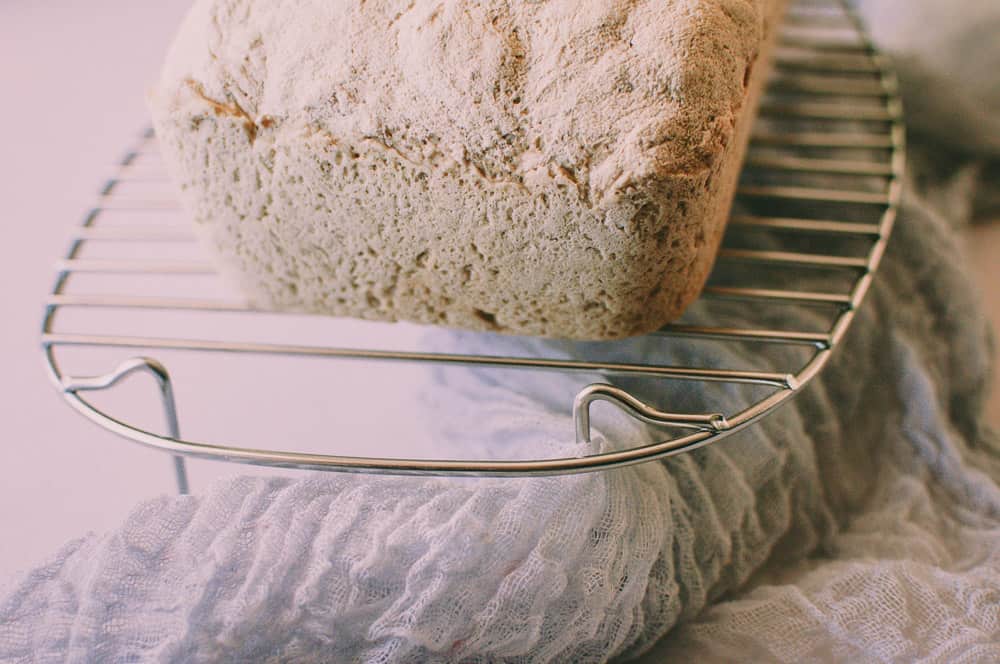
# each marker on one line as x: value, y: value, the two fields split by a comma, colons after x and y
x: 560, y: 168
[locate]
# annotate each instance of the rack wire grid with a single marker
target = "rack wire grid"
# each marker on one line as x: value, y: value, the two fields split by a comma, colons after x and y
x: 831, y: 111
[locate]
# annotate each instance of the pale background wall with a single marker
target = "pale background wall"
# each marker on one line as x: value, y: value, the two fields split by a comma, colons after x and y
x: 72, y: 77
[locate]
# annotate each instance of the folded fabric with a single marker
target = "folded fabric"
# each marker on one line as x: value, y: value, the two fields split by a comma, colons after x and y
x: 865, y: 516
x: 914, y: 574
x: 947, y: 55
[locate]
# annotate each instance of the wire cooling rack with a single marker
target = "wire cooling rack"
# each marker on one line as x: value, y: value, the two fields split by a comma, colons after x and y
x: 831, y: 114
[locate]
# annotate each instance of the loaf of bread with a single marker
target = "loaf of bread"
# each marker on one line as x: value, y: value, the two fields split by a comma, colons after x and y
x: 546, y: 167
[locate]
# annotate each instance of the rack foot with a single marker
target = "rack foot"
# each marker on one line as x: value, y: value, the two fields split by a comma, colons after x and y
x: 641, y: 411
x: 159, y: 372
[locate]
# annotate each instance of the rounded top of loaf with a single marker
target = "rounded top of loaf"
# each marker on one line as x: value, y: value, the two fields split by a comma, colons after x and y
x: 609, y: 94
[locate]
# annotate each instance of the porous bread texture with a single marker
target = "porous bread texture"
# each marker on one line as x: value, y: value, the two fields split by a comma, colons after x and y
x: 560, y: 168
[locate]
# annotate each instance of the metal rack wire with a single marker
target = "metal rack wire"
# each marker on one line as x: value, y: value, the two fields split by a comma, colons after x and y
x: 830, y: 95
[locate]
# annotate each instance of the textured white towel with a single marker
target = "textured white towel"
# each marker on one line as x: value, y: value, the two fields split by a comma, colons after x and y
x: 859, y: 523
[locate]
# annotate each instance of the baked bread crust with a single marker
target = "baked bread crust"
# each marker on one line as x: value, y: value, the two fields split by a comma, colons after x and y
x: 560, y: 168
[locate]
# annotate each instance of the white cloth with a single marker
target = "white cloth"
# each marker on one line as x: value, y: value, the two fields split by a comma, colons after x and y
x: 859, y: 523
